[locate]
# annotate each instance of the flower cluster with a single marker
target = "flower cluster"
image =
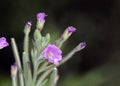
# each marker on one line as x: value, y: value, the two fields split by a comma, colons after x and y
x: 41, y: 63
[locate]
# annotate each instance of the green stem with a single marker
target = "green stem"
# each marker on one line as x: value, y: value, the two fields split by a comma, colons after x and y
x: 21, y: 79
x: 25, y: 68
x: 68, y: 56
x: 14, y: 81
x: 26, y: 44
x: 36, y: 71
x: 42, y: 70
x: 43, y: 65
x: 35, y: 75
x: 17, y: 58
x: 15, y: 51
x: 53, y: 77
x: 26, y: 60
x: 44, y: 75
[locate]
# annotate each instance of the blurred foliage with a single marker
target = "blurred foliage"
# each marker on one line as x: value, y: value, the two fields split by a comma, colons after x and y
x: 107, y: 75
x: 5, y: 80
x: 97, y: 23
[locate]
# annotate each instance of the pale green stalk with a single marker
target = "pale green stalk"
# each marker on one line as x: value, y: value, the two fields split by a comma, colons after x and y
x: 44, y: 75
x: 43, y: 65
x: 21, y: 79
x: 15, y: 52
x: 26, y: 46
x: 36, y: 69
x: 25, y: 66
x: 42, y: 70
x: 68, y: 56
x: 26, y: 59
x: 35, y: 74
x: 53, y: 78
x: 17, y: 58
x: 14, y: 81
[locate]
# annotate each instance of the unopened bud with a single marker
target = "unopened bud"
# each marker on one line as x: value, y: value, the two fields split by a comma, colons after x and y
x: 27, y: 27
x: 40, y: 20
x: 14, y: 70
x: 81, y: 46
x: 67, y: 33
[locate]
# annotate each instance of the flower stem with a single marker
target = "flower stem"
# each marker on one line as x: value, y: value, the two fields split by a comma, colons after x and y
x: 76, y: 49
x: 21, y: 79
x: 68, y: 56
x: 53, y: 77
x: 15, y: 51
x: 14, y: 81
x: 42, y: 70
x: 44, y: 75
x: 26, y: 59
x: 43, y: 65
x: 36, y: 71
x: 17, y: 58
x: 35, y: 74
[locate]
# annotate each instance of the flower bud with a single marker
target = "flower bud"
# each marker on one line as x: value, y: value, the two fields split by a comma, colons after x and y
x: 40, y: 20
x: 81, y: 46
x: 67, y: 33
x: 14, y: 70
x: 27, y: 27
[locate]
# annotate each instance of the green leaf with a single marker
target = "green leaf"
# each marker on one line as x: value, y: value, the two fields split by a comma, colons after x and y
x: 37, y: 35
x: 47, y: 37
x: 32, y: 53
x: 44, y: 82
x: 45, y: 40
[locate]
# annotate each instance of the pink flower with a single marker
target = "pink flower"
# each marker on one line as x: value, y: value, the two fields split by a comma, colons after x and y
x: 53, y: 54
x: 3, y: 42
x: 41, y: 16
x: 71, y: 29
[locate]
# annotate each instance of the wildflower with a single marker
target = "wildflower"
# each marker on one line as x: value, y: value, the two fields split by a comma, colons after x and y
x: 14, y: 70
x: 71, y: 29
x: 3, y: 42
x: 53, y: 54
x: 41, y: 16
x: 41, y: 20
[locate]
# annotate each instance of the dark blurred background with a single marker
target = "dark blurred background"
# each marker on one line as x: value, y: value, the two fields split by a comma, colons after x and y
x: 97, y: 23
